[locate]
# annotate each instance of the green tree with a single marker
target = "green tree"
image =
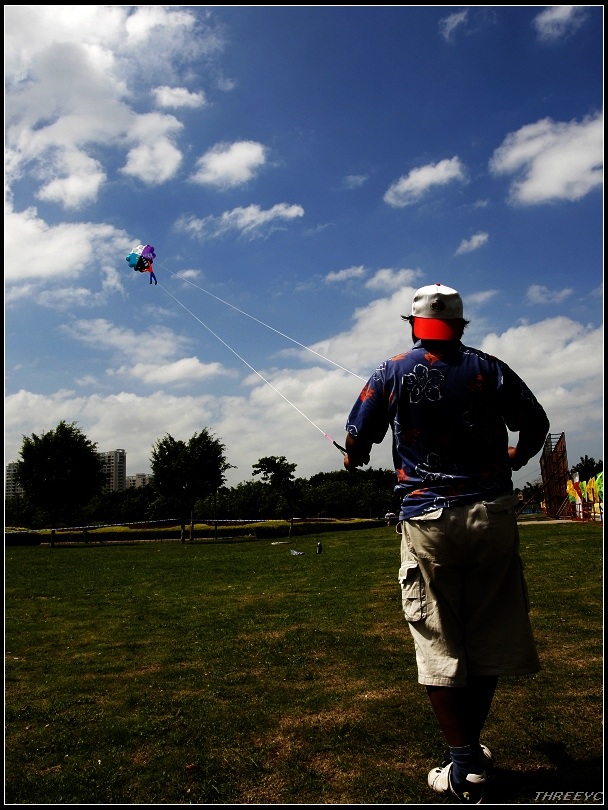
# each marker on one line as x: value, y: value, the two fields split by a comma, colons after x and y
x: 187, y: 471
x: 587, y: 468
x: 362, y: 493
x: 275, y: 470
x: 133, y: 504
x: 278, y: 473
x: 19, y: 511
x: 60, y: 472
x: 249, y: 500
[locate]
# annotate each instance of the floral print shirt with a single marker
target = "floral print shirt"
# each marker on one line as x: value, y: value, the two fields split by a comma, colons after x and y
x: 450, y: 410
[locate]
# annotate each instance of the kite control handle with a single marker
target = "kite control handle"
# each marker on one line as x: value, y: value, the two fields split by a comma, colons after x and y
x: 335, y: 444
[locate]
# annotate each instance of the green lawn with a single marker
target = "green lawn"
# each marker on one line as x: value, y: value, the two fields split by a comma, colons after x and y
x: 239, y: 673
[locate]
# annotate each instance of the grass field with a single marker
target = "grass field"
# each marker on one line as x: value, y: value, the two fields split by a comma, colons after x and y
x: 239, y: 673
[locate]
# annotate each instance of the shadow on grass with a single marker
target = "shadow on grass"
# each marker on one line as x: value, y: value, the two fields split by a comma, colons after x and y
x: 581, y: 780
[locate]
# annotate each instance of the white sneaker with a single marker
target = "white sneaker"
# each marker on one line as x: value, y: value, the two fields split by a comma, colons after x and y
x: 488, y: 755
x: 471, y: 792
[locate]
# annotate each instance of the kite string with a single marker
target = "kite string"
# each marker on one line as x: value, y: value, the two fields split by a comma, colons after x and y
x: 297, y: 342
x: 242, y: 359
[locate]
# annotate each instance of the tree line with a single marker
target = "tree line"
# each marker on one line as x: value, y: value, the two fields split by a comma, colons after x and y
x: 64, y: 485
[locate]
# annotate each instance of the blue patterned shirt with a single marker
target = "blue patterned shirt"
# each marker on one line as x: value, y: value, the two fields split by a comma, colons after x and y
x: 450, y: 410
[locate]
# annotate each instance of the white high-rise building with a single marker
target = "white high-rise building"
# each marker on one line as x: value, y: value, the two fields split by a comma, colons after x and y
x: 138, y: 480
x: 11, y: 487
x: 115, y: 467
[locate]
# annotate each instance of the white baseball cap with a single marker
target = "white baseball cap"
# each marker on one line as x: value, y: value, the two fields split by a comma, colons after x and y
x: 437, y: 312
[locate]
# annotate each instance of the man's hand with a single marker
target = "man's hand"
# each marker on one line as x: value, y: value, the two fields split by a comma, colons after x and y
x: 351, y: 463
x: 516, y: 462
x: 357, y: 454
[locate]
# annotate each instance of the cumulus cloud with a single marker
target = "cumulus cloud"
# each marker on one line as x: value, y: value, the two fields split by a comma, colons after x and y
x: 553, y: 160
x: 251, y: 221
x: 71, y: 75
x: 159, y: 342
x: 475, y: 242
x: 155, y: 159
x: 410, y: 188
x: 227, y: 165
x: 186, y: 370
x: 35, y: 250
x: 179, y: 97
x: 262, y: 416
x: 539, y: 352
x: 77, y: 179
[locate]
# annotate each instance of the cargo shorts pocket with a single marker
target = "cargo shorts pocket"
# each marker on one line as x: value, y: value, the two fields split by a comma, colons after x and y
x: 413, y: 594
x: 506, y: 503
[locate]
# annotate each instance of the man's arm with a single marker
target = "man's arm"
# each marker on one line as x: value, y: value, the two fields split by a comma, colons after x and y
x: 530, y: 441
x: 357, y: 452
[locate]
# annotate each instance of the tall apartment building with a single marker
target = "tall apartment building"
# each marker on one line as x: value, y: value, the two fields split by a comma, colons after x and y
x: 115, y: 467
x: 11, y: 487
x: 138, y: 480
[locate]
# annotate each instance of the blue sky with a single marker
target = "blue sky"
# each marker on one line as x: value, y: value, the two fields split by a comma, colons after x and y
x: 300, y: 171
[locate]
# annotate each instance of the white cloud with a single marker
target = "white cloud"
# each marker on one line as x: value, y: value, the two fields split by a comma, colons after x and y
x: 229, y: 165
x: 539, y: 353
x: 410, y: 188
x: 35, y: 250
x: 299, y: 405
x: 344, y: 275
x: 67, y: 297
x: 377, y: 333
x: 186, y: 370
x: 448, y: 25
x: 155, y: 159
x: 475, y: 242
x: 158, y: 342
x: 251, y: 221
x: 76, y: 83
x: 478, y: 299
x: 556, y: 22
x: 18, y: 292
x: 82, y: 178
x: 188, y: 275
x: 153, y: 163
x: 178, y: 97
x: 553, y: 160
x: 538, y: 294
x: 355, y: 180
x: 389, y: 280
x: 85, y: 89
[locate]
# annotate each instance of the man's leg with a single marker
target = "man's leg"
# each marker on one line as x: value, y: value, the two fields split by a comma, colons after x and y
x: 462, y: 711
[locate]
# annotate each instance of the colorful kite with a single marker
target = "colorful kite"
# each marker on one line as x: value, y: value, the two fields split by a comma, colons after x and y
x: 139, y: 253
x: 141, y: 258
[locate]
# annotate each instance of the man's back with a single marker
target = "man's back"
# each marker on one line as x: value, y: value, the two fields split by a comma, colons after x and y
x: 449, y: 407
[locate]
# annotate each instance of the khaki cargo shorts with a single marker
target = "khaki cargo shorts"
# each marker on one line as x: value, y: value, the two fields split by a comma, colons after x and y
x: 464, y: 594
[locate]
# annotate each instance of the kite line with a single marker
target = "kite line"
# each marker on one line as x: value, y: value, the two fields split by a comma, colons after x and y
x: 242, y: 359
x: 217, y: 298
